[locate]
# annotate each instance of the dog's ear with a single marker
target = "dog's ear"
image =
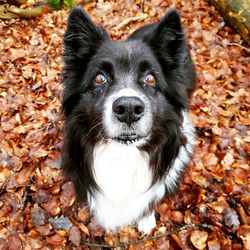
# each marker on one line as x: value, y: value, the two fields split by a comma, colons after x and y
x: 168, y: 37
x: 167, y: 41
x: 82, y: 37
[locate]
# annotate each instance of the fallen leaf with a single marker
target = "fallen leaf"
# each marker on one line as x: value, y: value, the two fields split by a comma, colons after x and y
x: 52, y: 206
x: 228, y: 160
x: 177, y: 217
x: 44, y: 230
x: 219, y: 206
x: 231, y: 218
x: 164, y: 212
x: 244, y: 234
x: 215, y: 186
x: 61, y: 222
x: 75, y: 236
x: 38, y: 216
x: 83, y: 228
x: 67, y: 196
x: 56, y: 240
x: 199, y: 239
x: 13, y: 242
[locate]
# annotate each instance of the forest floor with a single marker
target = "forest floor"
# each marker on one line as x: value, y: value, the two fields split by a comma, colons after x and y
x: 38, y: 209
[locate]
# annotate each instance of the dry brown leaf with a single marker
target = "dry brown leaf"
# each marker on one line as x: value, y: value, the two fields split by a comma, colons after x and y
x: 31, y: 131
x: 177, y: 217
x: 67, y: 196
x: 128, y: 234
x: 164, y: 212
x: 228, y: 160
x: 211, y: 160
x: 52, y: 207
x: 75, y: 236
x: 38, y: 216
x: 56, y: 240
x: 60, y: 223
x: 17, y: 53
x: 214, y: 242
x: 44, y: 230
x: 83, y: 214
x: 199, y: 239
x: 83, y: 228
x: 13, y: 242
x: 244, y: 234
x: 231, y: 218
x: 199, y: 179
x: 219, y: 206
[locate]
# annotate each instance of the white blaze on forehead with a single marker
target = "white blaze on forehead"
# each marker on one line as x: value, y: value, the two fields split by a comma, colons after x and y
x: 127, y: 92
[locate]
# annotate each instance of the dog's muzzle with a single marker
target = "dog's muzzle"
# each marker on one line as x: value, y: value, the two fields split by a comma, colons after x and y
x: 127, y: 117
x: 128, y: 109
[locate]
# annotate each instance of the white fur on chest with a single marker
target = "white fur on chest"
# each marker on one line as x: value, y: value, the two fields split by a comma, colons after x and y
x: 124, y: 178
x: 122, y: 172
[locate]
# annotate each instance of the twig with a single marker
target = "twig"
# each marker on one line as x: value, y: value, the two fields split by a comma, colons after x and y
x: 177, y: 240
x: 11, y: 12
x: 150, y: 238
x: 232, y: 44
x: 25, y: 192
x: 138, y: 18
x: 3, y: 188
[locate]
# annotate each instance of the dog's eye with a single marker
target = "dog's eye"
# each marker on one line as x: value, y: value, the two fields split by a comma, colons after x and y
x: 100, y: 79
x: 150, y: 79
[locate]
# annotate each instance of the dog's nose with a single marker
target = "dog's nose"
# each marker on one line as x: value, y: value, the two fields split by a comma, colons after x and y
x: 128, y: 109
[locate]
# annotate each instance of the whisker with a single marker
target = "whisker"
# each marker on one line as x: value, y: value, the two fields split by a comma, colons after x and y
x: 93, y: 128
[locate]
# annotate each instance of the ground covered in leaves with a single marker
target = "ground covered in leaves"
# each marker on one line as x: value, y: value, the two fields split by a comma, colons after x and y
x: 38, y: 209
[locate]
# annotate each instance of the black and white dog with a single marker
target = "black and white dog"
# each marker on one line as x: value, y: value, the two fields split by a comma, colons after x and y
x: 128, y: 137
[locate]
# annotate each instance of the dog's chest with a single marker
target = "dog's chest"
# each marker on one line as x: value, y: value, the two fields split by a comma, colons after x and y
x: 121, y: 171
x: 124, y: 178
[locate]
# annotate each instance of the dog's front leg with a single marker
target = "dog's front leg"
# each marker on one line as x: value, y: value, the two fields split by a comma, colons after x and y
x: 147, y: 223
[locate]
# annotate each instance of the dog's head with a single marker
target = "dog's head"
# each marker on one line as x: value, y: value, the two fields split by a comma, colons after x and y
x: 126, y: 91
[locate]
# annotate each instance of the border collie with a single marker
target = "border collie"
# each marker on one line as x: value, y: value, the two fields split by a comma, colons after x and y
x: 127, y: 137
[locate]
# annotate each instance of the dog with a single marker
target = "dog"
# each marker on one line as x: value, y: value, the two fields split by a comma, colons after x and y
x: 128, y: 136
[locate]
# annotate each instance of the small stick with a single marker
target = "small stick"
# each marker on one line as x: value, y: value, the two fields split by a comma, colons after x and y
x: 150, y: 238
x: 26, y: 190
x: 232, y: 44
x: 138, y: 18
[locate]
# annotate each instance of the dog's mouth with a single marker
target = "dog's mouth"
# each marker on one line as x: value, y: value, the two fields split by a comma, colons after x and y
x: 127, y: 138
x: 130, y: 138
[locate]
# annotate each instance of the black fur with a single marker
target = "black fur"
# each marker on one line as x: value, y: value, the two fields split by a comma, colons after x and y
x: 159, y: 47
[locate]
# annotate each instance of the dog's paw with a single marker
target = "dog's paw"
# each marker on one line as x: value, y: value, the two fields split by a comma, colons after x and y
x: 146, y: 224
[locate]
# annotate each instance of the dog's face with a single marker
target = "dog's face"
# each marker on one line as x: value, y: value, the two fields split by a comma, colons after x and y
x: 123, y: 87
x: 126, y: 91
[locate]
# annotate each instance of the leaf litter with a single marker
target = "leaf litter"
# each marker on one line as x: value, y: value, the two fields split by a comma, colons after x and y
x: 38, y: 207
